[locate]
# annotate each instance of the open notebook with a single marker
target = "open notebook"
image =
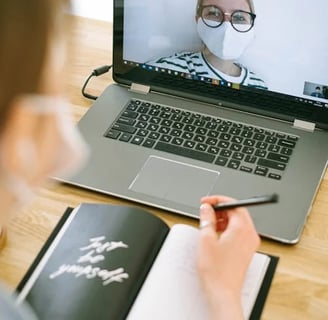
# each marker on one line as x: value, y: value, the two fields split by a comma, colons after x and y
x: 175, y: 127
x: 127, y: 263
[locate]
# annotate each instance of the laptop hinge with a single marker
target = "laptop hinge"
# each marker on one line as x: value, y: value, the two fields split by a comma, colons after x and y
x: 304, y: 125
x: 139, y: 88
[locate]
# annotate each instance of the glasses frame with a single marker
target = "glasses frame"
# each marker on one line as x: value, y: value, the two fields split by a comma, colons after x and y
x: 200, y: 14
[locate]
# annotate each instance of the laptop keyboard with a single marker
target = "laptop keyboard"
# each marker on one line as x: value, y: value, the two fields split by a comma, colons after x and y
x: 214, y: 140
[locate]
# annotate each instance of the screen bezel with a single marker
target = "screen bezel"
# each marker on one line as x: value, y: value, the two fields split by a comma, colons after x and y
x: 126, y: 74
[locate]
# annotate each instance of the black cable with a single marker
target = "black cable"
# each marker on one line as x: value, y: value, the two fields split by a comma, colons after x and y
x: 95, y: 73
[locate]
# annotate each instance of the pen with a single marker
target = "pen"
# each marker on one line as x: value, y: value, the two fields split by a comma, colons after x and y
x: 257, y: 200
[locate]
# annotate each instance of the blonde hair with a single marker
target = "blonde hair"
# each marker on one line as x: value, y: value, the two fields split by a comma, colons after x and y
x: 250, y: 3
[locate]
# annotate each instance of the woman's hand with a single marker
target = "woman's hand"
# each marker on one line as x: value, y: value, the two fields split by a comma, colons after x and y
x: 223, y: 259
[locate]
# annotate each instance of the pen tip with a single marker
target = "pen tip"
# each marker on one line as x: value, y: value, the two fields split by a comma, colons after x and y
x: 275, y: 197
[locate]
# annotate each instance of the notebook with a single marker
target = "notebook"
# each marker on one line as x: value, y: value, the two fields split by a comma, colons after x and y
x: 180, y: 123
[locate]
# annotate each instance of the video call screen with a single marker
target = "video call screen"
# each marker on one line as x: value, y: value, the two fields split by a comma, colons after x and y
x: 288, y: 50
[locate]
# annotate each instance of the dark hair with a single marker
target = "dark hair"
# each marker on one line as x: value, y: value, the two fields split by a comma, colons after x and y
x: 26, y: 28
x: 317, y: 88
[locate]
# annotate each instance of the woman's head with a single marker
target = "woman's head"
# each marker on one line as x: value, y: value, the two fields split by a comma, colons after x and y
x: 225, y: 27
x: 37, y: 139
x: 26, y: 31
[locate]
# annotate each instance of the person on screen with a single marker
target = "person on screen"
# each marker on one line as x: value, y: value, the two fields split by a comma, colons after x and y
x: 317, y: 93
x: 37, y: 140
x: 226, y: 28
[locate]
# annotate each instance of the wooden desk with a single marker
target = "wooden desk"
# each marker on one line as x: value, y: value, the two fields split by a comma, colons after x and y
x: 300, y: 287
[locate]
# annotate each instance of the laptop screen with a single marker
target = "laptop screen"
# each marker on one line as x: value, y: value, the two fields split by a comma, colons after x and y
x: 268, y: 51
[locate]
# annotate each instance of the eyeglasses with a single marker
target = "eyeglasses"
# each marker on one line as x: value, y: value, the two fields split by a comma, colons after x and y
x: 213, y: 17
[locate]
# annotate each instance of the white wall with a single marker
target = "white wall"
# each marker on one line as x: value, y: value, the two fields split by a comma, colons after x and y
x: 95, y: 9
x: 290, y: 46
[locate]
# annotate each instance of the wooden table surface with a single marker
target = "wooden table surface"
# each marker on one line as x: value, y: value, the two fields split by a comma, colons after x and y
x: 300, y: 287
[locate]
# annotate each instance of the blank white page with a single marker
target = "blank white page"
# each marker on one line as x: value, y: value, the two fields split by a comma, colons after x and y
x: 172, y: 289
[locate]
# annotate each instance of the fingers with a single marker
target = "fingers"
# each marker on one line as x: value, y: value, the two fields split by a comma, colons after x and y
x: 213, y: 200
x: 207, y: 240
x: 207, y: 219
x: 236, y: 219
x: 222, y: 217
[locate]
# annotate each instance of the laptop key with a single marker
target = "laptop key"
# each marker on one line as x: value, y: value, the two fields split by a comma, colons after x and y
x: 199, y: 138
x: 221, y: 161
x: 201, y: 147
x: 248, y: 150
x: 127, y: 121
x: 141, y: 124
x: 185, y: 152
x: 153, y: 127
x: 246, y: 169
x: 137, y: 140
x: 238, y: 156
x: 154, y: 135
x: 293, y: 138
x: 286, y: 143
x: 286, y: 151
x: 274, y: 148
x: 278, y: 157
x: 148, y: 143
x: 260, y: 153
x: 189, y: 144
x: 124, y: 128
x: 113, y: 134
x: 213, y: 150
x: 142, y: 132
x: 125, y: 137
x: 177, y: 141
x: 250, y: 159
x: 274, y: 176
x: 130, y: 114
x: 165, y: 138
x: 233, y: 164
x: 261, y: 171
x: 226, y: 153
x: 271, y: 164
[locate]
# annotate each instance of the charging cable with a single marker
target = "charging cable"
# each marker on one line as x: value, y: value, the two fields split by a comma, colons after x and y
x: 95, y: 73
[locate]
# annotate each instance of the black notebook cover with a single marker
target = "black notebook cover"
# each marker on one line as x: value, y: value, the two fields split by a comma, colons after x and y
x: 255, y: 314
x: 104, y: 284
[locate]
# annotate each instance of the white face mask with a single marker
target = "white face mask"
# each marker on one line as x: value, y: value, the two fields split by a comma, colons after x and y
x: 224, y: 42
x: 56, y: 147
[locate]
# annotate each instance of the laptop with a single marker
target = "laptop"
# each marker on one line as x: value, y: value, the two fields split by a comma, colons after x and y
x: 165, y: 135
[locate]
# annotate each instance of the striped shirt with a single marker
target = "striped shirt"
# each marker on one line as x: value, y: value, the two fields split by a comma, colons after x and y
x: 195, y: 64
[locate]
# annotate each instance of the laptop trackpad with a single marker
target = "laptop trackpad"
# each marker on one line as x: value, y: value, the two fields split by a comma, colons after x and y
x: 174, y: 181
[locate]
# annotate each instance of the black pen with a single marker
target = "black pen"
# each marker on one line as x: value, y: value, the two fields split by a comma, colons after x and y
x: 272, y: 198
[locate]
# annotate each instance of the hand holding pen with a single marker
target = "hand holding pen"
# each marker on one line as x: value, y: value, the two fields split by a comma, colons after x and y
x: 222, y: 261
x: 222, y: 207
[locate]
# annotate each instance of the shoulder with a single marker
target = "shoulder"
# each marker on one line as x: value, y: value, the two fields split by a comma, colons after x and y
x: 181, y: 56
x: 253, y: 80
x: 183, y: 61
